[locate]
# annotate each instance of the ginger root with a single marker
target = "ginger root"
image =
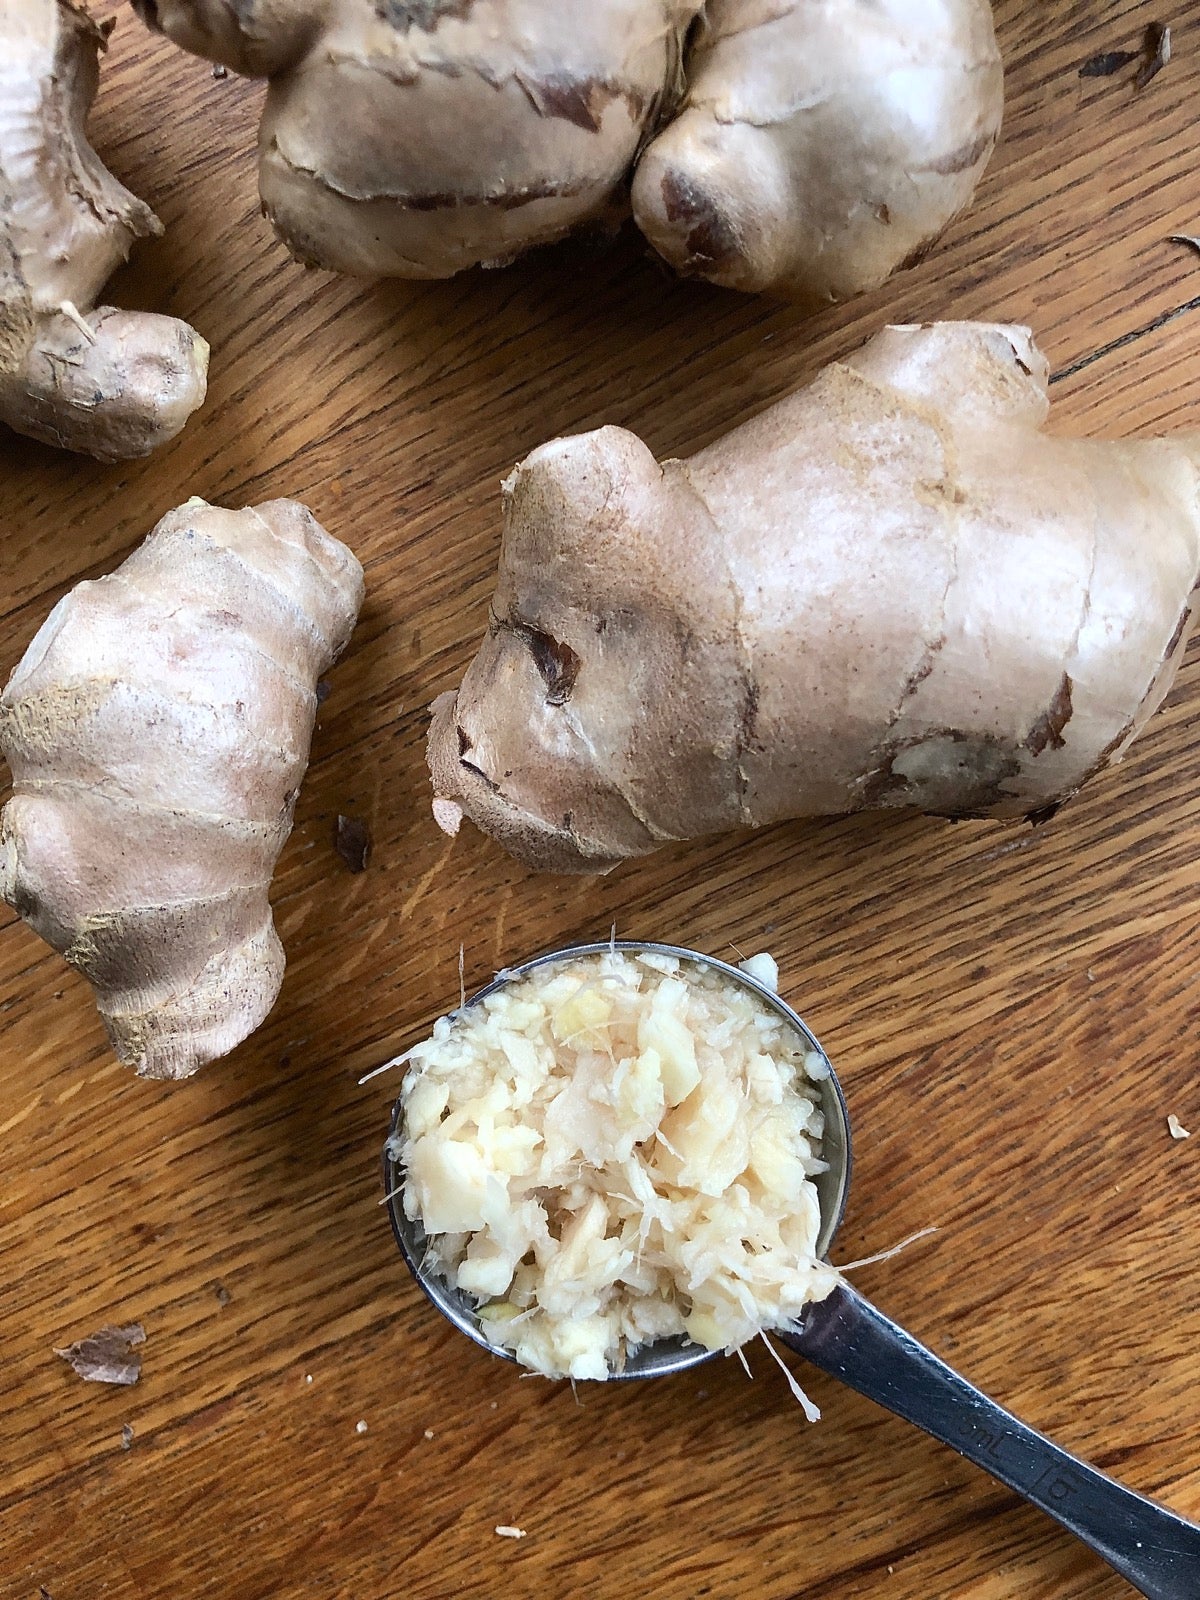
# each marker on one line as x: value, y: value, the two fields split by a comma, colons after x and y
x: 816, y: 147
x: 158, y: 730
x: 111, y: 384
x: 413, y: 138
x: 822, y: 146
x: 890, y: 589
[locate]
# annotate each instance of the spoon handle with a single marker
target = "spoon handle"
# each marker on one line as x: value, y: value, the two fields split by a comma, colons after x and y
x: 847, y: 1337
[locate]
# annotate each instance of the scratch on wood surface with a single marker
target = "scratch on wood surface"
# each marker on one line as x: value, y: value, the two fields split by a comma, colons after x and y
x: 424, y: 883
x: 1125, y: 339
x: 1006, y: 849
x: 498, y: 953
x: 107, y: 1066
x: 19, y: 1116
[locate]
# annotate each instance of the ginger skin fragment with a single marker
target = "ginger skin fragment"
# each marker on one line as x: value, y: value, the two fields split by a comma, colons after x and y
x: 107, y: 383
x: 158, y: 730
x: 890, y: 589
x: 804, y: 147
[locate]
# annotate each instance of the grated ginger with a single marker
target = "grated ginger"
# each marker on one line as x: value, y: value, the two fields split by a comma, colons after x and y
x: 608, y: 1151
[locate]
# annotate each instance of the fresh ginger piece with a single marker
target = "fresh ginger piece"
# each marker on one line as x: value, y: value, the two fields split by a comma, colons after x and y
x: 818, y: 144
x: 821, y: 146
x: 587, y: 1011
x: 661, y: 1033
x: 463, y: 133
x: 158, y: 729
x: 111, y: 384
x: 891, y: 589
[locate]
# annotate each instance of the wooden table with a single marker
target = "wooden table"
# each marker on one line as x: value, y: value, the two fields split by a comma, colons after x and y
x: 1014, y: 1012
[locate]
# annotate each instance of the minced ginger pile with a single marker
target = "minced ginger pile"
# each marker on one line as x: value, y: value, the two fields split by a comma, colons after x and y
x: 607, y: 1151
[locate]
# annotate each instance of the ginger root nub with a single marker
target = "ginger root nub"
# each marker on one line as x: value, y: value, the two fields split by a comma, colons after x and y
x: 158, y: 729
x: 107, y: 383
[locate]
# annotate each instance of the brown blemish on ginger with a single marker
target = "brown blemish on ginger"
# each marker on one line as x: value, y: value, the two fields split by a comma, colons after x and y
x: 465, y: 762
x: 964, y: 158
x: 1180, y: 629
x: 711, y: 242
x: 582, y: 101
x: 555, y: 660
x: 1047, y: 730
x: 748, y: 719
x: 478, y: 772
x: 917, y: 677
x: 424, y: 15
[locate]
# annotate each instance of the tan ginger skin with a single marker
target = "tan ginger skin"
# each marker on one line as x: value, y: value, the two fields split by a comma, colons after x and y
x: 820, y: 146
x: 158, y: 730
x: 891, y: 589
x: 111, y: 384
x: 816, y: 144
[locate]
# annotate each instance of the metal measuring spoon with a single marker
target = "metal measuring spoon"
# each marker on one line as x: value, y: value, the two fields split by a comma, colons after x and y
x: 844, y: 1335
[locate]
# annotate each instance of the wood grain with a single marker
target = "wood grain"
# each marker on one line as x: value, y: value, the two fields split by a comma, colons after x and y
x: 1013, y: 1012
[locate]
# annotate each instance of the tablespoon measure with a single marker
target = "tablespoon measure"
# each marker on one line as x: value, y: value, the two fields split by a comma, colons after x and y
x: 1157, y: 1551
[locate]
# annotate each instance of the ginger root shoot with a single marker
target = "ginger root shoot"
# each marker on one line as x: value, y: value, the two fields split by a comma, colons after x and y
x: 158, y: 729
x: 891, y: 589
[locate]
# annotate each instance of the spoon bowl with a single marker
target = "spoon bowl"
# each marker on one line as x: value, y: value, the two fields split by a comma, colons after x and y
x: 664, y: 1356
